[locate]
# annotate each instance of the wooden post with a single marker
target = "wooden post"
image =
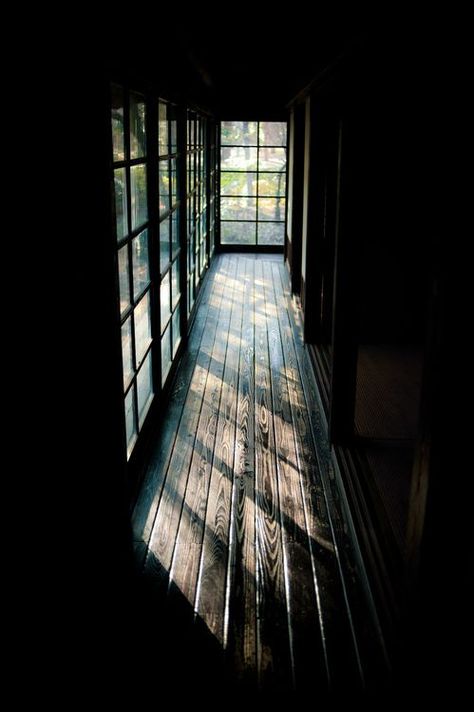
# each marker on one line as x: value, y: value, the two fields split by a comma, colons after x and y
x: 296, y: 186
x: 313, y: 202
x: 154, y: 233
x: 345, y: 299
x: 181, y: 138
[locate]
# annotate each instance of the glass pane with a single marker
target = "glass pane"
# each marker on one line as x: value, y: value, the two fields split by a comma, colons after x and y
x: 144, y: 389
x: 189, y: 213
x: 198, y: 200
x: 198, y: 262
x: 120, y: 183
x: 239, y: 132
x: 191, y: 216
x: 175, y: 290
x: 271, y: 233
x: 138, y: 195
x: 130, y: 420
x: 127, y: 352
x: 271, y: 208
x: 165, y: 354
x: 238, y: 183
x: 164, y: 243
x: 239, y: 159
x: 238, y: 208
x: 190, y: 257
x: 142, y: 328
x: 188, y: 171
x: 172, y: 116
x: 176, y: 331
x: 201, y: 198
x: 190, y: 296
x: 175, y: 232
x: 272, y: 159
x: 141, y: 271
x: 137, y: 127
x: 165, y: 300
x: 124, y: 283
x: 271, y: 184
x: 117, y: 123
x: 235, y: 233
x: 162, y: 130
x: 174, y: 184
x: 164, y: 186
x: 190, y: 131
x: 198, y: 167
x: 272, y: 133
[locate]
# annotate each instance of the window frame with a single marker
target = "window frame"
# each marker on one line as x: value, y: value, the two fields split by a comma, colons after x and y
x: 256, y: 172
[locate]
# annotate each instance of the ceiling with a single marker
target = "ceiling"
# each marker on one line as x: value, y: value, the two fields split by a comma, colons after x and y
x: 258, y: 68
x: 243, y: 63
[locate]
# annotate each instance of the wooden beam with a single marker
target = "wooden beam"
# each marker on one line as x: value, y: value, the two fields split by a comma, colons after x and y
x: 296, y: 186
x: 345, y: 298
x: 313, y: 211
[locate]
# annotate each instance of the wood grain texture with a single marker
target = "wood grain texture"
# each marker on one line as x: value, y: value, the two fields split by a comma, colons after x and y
x: 307, y: 640
x: 163, y: 537
x: 189, y: 540
x: 272, y: 629
x: 327, y: 533
x: 210, y: 598
x: 240, y: 616
x: 145, y: 508
x: 257, y: 565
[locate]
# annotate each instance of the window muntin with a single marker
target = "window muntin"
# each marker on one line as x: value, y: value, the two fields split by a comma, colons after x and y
x: 253, y: 183
x: 129, y: 153
x: 148, y: 245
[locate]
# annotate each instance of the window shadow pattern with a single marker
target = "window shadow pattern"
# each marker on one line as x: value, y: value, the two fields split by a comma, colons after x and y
x: 245, y: 562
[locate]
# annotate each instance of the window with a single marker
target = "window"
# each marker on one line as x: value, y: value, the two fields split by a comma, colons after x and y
x: 150, y: 197
x: 132, y: 232
x: 197, y: 203
x: 169, y: 218
x: 213, y: 178
x: 253, y: 182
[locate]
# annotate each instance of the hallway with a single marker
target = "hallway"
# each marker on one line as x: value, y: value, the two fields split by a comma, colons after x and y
x: 257, y: 478
x: 241, y: 539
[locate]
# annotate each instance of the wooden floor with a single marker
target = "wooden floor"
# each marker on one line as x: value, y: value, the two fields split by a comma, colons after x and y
x: 246, y: 577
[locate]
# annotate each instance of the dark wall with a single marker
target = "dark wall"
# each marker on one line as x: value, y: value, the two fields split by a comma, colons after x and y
x: 88, y: 530
x: 388, y: 184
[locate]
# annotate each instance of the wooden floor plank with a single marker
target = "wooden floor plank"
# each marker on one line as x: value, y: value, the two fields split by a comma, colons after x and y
x: 189, y: 539
x: 240, y: 615
x: 308, y: 651
x: 272, y: 630
x: 236, y: 509
x: 341, y: 653
x: 210, y: 597
x: 163, y: 536
x: 145, y: 508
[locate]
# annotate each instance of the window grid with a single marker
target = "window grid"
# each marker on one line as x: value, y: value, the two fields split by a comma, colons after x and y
x: 148, y: 214
x: 132, y: 233
x: 197, y: 207
x: 254, y: 205
x: 170, y: 293
x: 213, y: 177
